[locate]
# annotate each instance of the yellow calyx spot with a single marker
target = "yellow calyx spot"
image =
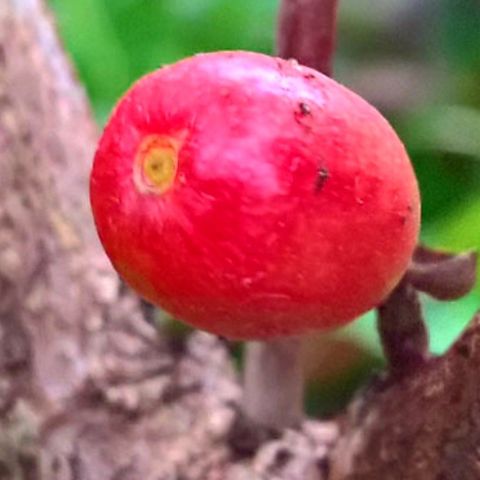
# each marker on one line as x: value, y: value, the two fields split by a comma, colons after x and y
x: 156, y: 164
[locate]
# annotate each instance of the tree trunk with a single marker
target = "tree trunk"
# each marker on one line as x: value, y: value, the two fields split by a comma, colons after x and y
x: 90, y: 391
x: 422, y: 427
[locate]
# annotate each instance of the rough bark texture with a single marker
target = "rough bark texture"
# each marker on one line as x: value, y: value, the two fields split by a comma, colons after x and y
x: 90, y: 391
x: 423, y: 427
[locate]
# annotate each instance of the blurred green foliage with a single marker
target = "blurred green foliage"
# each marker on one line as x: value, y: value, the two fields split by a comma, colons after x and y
x: 417, y: 60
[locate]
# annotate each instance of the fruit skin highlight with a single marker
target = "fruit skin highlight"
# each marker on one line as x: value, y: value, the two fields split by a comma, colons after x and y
x: 252, y: 197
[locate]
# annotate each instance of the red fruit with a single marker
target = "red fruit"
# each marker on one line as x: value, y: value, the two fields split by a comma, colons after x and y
x: 253, y: 197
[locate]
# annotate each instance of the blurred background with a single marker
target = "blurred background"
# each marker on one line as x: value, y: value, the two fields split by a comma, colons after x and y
x: 418, y: 61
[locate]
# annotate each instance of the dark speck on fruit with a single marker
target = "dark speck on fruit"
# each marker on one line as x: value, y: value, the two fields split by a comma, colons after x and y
x: 322, y: 176
x: 304, y: 108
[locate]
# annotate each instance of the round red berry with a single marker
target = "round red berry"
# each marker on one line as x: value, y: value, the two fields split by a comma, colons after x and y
x: 253, y: 197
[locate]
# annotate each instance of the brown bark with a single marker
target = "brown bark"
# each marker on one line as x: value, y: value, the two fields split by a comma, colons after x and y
x: 424, y: 427
x: 90, y: 391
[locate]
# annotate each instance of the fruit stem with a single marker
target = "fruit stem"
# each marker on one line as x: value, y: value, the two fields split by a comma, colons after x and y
x: 273, y: 370
x: 306, y: 31
x: 402, y: 330
x: 273, y: 382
